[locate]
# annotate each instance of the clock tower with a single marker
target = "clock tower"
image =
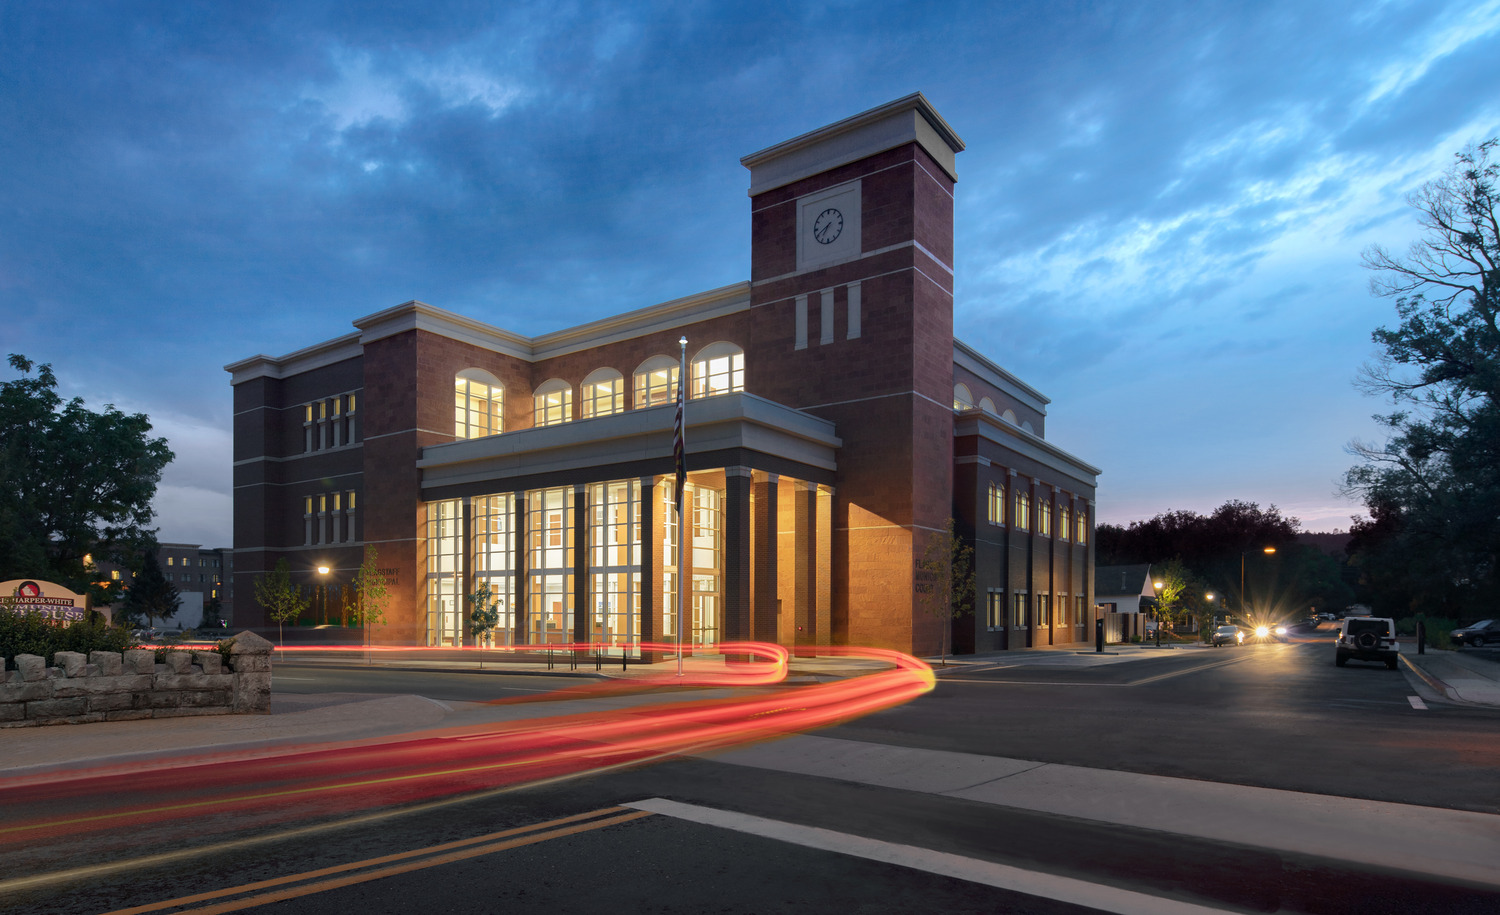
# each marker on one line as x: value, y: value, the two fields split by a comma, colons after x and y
x: 851, y: 319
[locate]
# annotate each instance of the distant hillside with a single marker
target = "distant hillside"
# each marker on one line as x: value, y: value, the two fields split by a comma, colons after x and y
x: 1331, y: 542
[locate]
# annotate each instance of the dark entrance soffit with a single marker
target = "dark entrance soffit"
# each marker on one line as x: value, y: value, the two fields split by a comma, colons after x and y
x: 728, y: 422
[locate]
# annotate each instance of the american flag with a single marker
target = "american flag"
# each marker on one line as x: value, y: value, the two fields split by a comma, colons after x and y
x: 678, y: 460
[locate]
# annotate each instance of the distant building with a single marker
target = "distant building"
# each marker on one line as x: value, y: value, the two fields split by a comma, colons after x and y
x: 833, y: 425
x: 199, y: 574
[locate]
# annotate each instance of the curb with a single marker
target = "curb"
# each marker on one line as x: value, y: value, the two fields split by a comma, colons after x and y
x: 1429, y: 679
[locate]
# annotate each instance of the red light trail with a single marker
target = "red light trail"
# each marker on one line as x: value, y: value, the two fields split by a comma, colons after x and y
x: 311, y: 781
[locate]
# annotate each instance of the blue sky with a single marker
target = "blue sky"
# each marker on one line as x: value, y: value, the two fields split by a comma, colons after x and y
x: 1159, y: 220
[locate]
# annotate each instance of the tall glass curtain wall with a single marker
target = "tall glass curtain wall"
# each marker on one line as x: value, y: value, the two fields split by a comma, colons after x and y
x: 614, y: 565
x: 615, y: 562
x: 495, y: 560
x: 549, y: 566
x: 444, y: 573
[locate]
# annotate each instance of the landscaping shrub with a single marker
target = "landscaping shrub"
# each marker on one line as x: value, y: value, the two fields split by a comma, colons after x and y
x: 30, y: 633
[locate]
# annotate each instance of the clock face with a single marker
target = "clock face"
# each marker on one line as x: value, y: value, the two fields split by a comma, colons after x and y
x: 829, y: 224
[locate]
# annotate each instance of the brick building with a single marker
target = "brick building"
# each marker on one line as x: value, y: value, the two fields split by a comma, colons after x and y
x: 833, y: 423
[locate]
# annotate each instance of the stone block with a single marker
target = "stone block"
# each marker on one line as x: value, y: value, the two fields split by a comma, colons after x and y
x: 208, y: 697
x: 21, y: 691
x: 211, y: 661
x: 248, y: 643
x: 71, y: 662
x: 252, y: 693
x: 122, y: 683
x: 69, y: 689
x: 127, y: 714
x: 23, y: 723
x: 12, y: 711
x: 180, y: 662
x: 86, y: 718
x: 140, y: 661
x: 193, y: 681
x: 32, y: 667
x: 105, y: 702
x: 159, y: 699
x: 251, y: 664
x: 111, y: 664
x: 56, y: 708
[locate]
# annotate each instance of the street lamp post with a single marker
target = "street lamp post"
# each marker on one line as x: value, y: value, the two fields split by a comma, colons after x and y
x: 1157, y: 585
x: 323, y: 592
x: 1268, y: 550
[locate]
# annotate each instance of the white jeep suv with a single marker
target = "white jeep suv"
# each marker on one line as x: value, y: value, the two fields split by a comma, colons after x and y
x: 1367, y: 638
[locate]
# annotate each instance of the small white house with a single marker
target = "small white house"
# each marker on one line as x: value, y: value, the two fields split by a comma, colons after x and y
x: 1119, y: 589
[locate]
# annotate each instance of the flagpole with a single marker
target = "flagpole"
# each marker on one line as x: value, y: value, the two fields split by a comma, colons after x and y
x: 679, y: 455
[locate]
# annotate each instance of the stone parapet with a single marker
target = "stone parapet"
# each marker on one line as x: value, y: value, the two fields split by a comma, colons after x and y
x: 122, y: 686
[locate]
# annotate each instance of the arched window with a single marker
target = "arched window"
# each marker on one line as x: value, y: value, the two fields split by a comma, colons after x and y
x: 478, y: 404
x: 553, y: 403
x: 603, y: 393
x: 987, y: 405
x: 656, y: 381
x: 1009, y: 416
x: 1023, y: 510
x: 962, y: 399
x: 1065, y: 518
x: 719, y: 368
x: 1028, y: 427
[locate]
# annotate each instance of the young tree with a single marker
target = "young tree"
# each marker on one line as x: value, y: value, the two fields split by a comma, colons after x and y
x: 1172, y: 580
x: 1436, y: 481
x: 150, y: 596
x: 945, y: 580
x: 283, y: 600
x: 484, y: 616
x: 374, y: 591
x: 73, y: 483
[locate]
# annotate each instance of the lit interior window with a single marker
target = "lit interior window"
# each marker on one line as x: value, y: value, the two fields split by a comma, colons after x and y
x: 603, y: 393
x: 553, y: 403
x: 478, y: 404
x: 718, y: 369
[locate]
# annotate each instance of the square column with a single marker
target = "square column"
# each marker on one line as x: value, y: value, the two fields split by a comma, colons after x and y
x: 763, y: 557
x: 737, y: 514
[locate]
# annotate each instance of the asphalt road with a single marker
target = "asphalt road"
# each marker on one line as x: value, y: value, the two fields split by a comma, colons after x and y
x: 1278, y: 715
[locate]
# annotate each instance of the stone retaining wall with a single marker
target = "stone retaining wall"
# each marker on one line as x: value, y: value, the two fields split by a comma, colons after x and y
x: 116, y: 686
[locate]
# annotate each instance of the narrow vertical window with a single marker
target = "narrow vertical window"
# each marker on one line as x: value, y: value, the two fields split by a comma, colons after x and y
x: 801, y: 329
x: 827, y: 302
x: 1064, y: 522
x: 1023, y: 510
x: 854, y: 309
x: 1044, y: 518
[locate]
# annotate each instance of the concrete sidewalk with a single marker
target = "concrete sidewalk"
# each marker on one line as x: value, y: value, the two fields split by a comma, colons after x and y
x: 1455, y: 844
x: 1457, y: 675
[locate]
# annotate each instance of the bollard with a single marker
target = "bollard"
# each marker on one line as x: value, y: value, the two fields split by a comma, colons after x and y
x: 1421, y: 636
x: 1099, y: 636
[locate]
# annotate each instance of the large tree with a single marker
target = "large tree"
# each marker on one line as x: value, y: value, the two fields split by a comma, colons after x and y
x: 75, y: 484
x: 1433, y: 488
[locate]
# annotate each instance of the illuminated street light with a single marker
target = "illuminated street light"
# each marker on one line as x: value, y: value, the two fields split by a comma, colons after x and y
x: 1157, y: 586
x: 1268, y: 550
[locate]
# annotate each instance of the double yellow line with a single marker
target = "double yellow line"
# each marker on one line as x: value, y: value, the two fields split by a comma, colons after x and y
x: 342, y: 875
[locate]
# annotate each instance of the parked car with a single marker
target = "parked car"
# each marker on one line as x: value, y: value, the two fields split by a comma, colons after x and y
x: 1228, y: 635
x: 1484, y: 632
x: 1367, y: 638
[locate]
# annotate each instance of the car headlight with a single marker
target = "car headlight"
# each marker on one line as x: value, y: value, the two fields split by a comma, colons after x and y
x: 1262, y: 631
x: 1281, y: 630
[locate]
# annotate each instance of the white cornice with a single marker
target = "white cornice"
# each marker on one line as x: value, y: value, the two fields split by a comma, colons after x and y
x: 969, y: 358
x: 312, y: 357
x: 713, y: 423
x: 905, y: 120
x: 415, y: 315
x: 1026, y: 444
